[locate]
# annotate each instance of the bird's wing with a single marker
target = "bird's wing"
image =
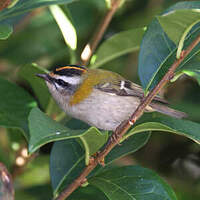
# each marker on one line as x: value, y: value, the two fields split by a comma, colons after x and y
x: 125, y: 88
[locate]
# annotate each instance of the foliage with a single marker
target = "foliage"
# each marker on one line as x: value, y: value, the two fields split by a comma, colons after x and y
x: 27, y: 108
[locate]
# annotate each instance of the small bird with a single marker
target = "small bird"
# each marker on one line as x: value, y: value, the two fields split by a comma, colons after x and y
x: 99, y: 97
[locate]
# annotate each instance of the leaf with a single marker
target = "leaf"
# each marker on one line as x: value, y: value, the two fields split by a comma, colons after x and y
x: 66, y: 162
x: 93, y: 141
x: 160, y: 122
x: 23, y: 6
x: 193, y: 73
x: 15, y: 105
x: 5, y: 31
x: 28, y: 72
x: 9, y: 14
x: 43, y: 130
x: 175, y: 23
x: 63, y: 169
x: 137, y: 138
x: 134, y: 143
x: 132, y: 182
x: 65, y: 25
x: 177, y: 26
x: 158, y: 52
x: 38, y: 192
x: 154, y: 51
x: 118, y: 45
x: 6, y: 184
x: 87, y: 193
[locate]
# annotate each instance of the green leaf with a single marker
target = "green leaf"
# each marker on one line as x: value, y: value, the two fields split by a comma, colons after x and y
x: 158, y: 52
x: 137, y: 138
x: 66, y: 26
x: 15, y: 105
x: 160, y: 122
x: 64, y: 169
x: 87, y: 193
x: 5, y: 31
x: 193, y: 73
x: 177, y: 26
x: 93, y: 141
x: 132, y: 182
x: 134, y: 143
x: 118, y: 45
x: 38, y: 192
x: 28, y: 72
x: 175, y: 23
x: 43, y: 130
x: 23, y: 6
x: 34, y: 45
x: 9, y: 14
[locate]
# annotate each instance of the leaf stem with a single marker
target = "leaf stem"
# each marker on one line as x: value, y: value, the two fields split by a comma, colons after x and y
x: 122, y: 129
x: 91, y: 46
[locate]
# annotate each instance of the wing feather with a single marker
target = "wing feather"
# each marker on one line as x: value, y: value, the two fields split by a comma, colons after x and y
x: 125, y: 88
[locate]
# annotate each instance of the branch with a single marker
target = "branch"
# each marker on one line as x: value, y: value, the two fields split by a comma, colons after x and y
x: 122, y: 129
x: 91, y: 46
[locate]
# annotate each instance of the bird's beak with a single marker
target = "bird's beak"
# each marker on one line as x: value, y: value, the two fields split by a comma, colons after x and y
x: 46, y: 77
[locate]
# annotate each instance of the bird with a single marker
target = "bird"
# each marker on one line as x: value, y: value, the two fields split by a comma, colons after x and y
x: 98, y: 97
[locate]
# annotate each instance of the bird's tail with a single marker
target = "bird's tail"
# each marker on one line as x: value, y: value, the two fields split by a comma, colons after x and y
x: 167, y: 111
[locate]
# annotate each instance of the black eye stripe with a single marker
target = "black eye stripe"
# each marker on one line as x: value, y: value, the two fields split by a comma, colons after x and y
x: 61, y: 82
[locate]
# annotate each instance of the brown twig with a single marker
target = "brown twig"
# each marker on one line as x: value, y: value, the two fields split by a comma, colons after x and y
x: 4, y: 4
x: 122, y: 129
x: 91, y: 46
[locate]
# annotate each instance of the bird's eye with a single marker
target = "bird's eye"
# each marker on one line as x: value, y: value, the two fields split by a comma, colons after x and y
x: 62, y: 83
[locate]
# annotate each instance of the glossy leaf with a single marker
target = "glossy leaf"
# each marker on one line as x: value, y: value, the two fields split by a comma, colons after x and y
x: 193, y: 73
x: 23, y: 6
x: 5, y: 31
x: 65, y: 25
x: 176, y: 23
x: 160, y: 122
x: 134, y: 143
x: 15, y: 105
x: 118, y: 45
x: 28, y: 73
x: 31, y: 45
x: 93, y: 141
x: 177, y: 26
x: 43, y: 130
x: 64, y: 169
x: 35, y: 192
x: 66, y: 162
x: 87, y: 193
x: 158, y: 52
x: 132, y: 182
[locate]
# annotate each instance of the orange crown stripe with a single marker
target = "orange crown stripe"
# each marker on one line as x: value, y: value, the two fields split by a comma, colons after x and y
x: 70, y: 67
